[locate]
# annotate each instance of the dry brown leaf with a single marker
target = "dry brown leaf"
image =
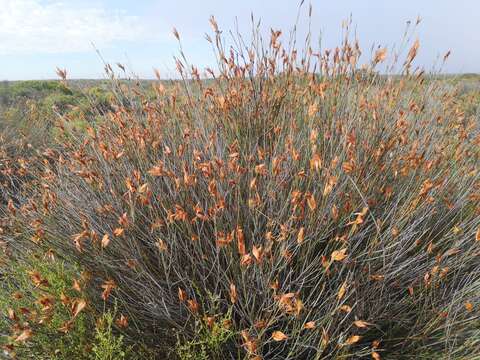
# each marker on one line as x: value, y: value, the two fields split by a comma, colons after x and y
x: 122, y: 321
x: 240, y: 241
x: 257, y: 253
x: 469, y: 306
x: 193, y: 306
x: 342, y: 291
x: 310, y: 325
x: 107, y: 287
x: 301, y: 235
x: 24, y: 336
x: 312, y: 204
x: 353, y: 339
x: 451, y: 252
x: 413, y: 51
x: 377, y: 277
x: 361, y: 324
x: 156, y: 171
x: 182, y: 295
x: 76, y: 285
x: 11, y: 314
x: 334, y: 212
x: 261, y: 169
x: 105, y: 240
x: 233, y: 293
x: 118, y: 232
x: 315, y: 162
x: 246, y: 260
x: 65, y: 328
x: 380, y: 55
x: 312, y: 109
x: 339, y: 255
x: 78, y: 306
x: 279, y: 336
x: 162, y: 247
x: 395, y: 231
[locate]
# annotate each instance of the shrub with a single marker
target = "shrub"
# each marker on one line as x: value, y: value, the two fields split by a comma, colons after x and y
x: 212, y: 334
x: 328, y: 210
x: 109, y: 346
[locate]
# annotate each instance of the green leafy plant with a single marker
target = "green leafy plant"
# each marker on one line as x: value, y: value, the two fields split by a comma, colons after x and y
x: 43, y: 316
x: 107, y: 345
x: 212, y: 334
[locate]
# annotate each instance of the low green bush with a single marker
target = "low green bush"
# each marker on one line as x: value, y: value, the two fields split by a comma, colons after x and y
x: 45, y: 316
x: 39, y: 301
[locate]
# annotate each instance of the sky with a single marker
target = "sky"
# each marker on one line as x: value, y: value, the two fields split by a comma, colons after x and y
x: 37, y: 36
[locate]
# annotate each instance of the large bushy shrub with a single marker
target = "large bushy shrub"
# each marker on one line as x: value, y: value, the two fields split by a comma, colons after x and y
x: 310, y: 207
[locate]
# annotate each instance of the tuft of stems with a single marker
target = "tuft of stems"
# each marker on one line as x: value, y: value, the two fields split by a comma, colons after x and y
x: 329, y: 209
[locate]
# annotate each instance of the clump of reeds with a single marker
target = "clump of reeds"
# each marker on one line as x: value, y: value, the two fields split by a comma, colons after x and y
x: 329, y: 210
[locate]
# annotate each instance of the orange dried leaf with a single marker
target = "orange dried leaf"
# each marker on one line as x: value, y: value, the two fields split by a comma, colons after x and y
x: 312, y: 109
x: 193, y: 306
x: 413, y: 51
x: 312, y: 204
x: 24, y: 335
x: 118, y: 232
x: 246, y: 260
x: 339, y: 255
x: 380, y: 55
x: 66, y: 327
x: 122, y: 322
x: 233, y: 293
x: 342, y: 291
x: 162, y: 247
x: 78, y: 306
x: 182, y: 295
x: 310, y: 325
x: 156, y: 171
x: 261, y: 169
x: 377, y: 277
x: 353, y: 339
x: 105, y: 240
x: 301, y: 235
x: 361, y: 324
x: 76, y: 285
x: 107, y: 287
x: 279, y: 336
x: 315, y: 162
x: 11, y: 314
x: 395, y: 231
x: 240, y: 241
x: 257, y: 253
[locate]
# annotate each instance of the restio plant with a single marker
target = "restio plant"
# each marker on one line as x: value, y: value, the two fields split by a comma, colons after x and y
x: 298, y: 204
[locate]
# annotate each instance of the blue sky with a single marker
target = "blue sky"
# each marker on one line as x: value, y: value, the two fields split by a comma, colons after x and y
x: 36, y: 36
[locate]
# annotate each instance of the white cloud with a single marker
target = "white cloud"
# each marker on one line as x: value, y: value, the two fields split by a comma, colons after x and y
x: 36, y: 26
